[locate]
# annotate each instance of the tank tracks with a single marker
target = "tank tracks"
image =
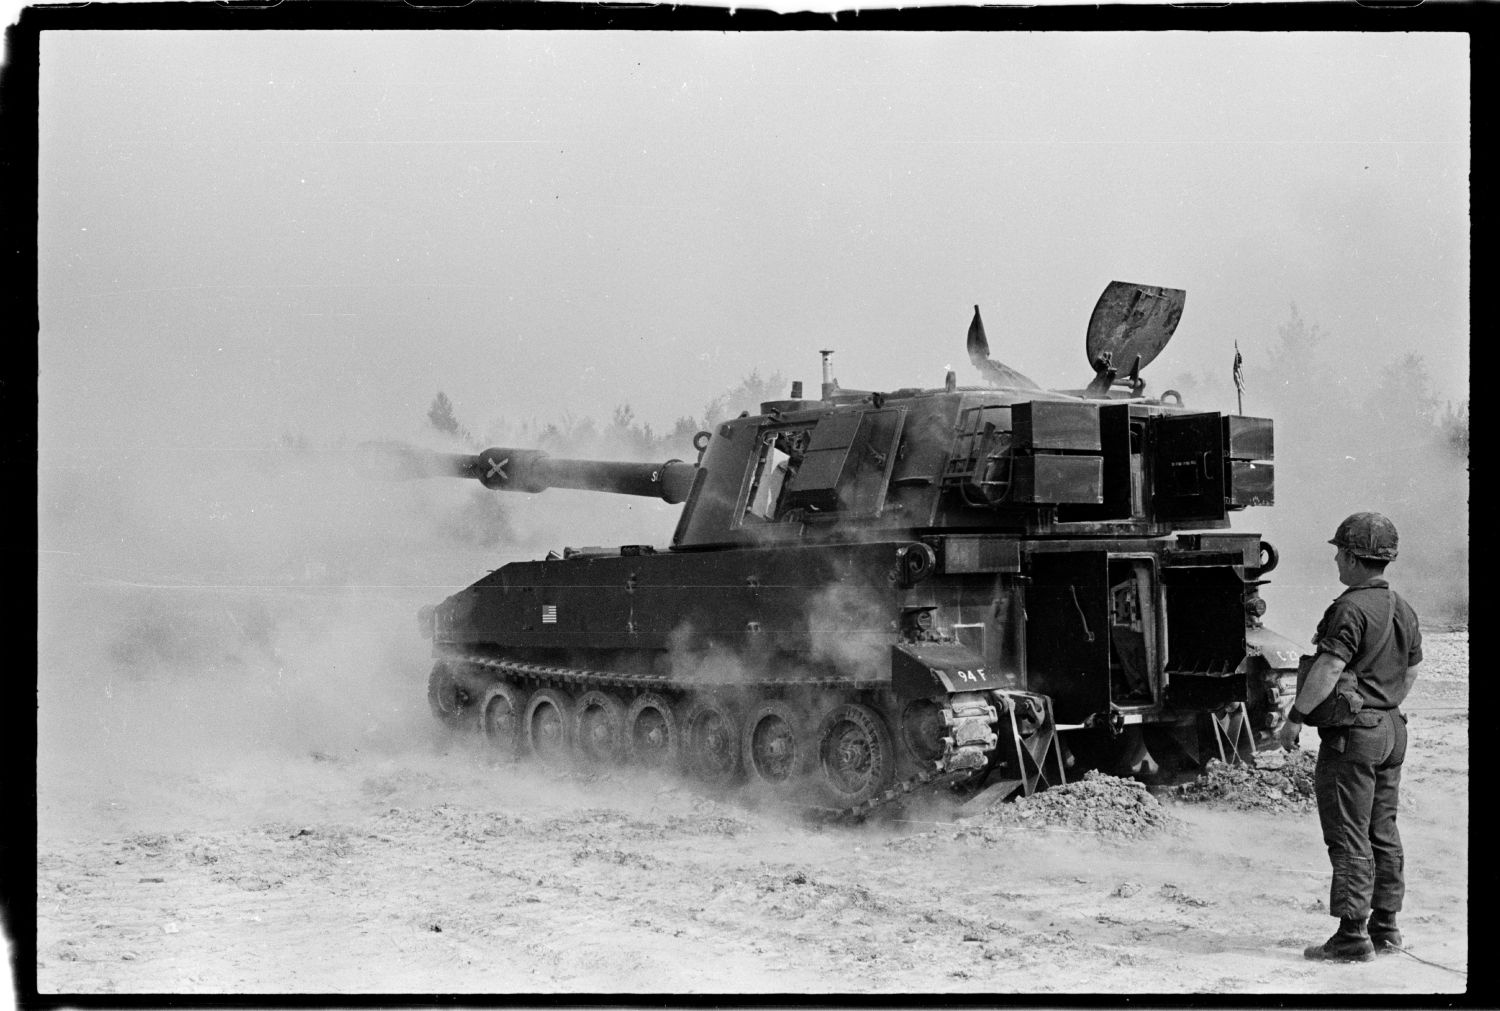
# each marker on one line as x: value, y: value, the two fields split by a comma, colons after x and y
x: 971, y: 723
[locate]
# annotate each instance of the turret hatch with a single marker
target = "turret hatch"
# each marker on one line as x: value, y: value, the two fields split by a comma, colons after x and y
x: 839, y: 465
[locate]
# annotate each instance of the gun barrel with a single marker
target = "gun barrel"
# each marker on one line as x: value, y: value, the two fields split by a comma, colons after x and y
x: 670, y: 481
x: 502, y: 468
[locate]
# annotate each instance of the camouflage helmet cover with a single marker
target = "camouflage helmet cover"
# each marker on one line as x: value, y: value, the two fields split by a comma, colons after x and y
x: 1367, y: 535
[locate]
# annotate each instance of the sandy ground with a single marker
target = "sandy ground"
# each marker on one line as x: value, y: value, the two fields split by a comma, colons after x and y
x: 178, y: 854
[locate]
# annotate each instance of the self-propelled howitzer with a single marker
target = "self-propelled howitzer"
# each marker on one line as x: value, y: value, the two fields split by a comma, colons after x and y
x: 977, y: 587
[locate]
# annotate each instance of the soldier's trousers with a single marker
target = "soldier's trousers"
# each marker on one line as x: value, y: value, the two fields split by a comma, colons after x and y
x: 1358, y: 781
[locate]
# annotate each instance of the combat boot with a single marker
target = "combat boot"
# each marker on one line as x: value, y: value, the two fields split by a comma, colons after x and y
x: 1351, y: 943
x: 1383, y: 932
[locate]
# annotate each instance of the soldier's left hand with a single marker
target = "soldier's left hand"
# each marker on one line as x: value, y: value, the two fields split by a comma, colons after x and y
x: 1288, y: 734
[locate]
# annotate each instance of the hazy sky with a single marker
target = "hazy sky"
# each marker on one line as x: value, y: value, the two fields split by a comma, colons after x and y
x: 250, y: 233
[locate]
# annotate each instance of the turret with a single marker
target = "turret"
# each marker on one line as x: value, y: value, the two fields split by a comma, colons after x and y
x: 1008, y: 458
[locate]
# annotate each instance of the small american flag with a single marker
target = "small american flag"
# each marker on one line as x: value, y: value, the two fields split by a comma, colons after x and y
x: 549, y: 614
x: 1239, y: 369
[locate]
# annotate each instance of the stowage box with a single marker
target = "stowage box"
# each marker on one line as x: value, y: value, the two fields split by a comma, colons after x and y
x: 1050, y: 478
x: 1056, y: 426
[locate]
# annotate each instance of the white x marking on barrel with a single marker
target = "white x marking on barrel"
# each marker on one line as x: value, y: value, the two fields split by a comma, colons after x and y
x: 498, y: 468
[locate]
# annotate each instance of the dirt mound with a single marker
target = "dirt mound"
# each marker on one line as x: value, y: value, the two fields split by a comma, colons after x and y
x: 1278, y: 781
x: 1096, y: 803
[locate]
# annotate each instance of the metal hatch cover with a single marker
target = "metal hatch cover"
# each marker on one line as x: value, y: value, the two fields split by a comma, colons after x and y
x: 1132, y: 320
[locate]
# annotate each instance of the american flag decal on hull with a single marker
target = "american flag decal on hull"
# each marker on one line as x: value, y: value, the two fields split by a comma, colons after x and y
x: 549, y: 614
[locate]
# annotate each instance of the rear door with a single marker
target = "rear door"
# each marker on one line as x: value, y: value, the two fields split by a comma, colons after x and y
x: 1205, y: 635
x: 1067, y: 632
x: 1187, y: 461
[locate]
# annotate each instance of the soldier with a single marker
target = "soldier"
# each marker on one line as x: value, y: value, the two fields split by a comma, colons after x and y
x: 1368, y: 647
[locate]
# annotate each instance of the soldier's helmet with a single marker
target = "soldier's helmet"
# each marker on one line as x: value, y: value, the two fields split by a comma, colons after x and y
x: 1367, y: 535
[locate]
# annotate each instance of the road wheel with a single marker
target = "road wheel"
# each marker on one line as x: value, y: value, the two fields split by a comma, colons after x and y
x: 500, y: 713
x: 548, y: 725
x: 776, y: 747
x: 711, y: 742
x: 599, y: 728
x: 446, y: 694
x: 855, y: 757
x: 651, y: 733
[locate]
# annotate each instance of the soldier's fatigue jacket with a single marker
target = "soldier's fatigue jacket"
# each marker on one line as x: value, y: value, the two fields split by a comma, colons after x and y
x: 1358, y: 776
x: 1357, y: 618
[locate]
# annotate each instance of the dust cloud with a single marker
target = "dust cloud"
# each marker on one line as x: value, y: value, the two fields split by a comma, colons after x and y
x: 837, y: 609
x: 248, y: 614
x: 242, y: 617
x: 692, y: 655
